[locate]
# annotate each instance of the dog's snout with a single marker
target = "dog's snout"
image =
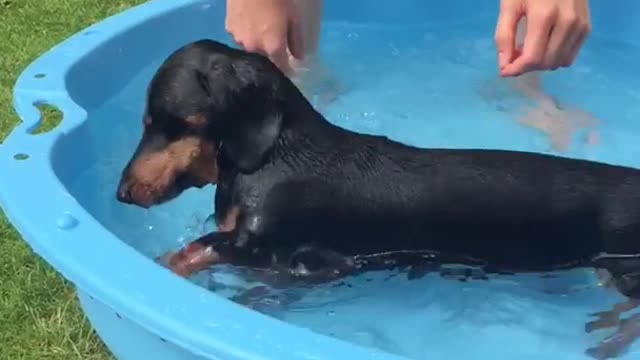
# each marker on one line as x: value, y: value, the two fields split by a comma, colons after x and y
x: 124, y: 193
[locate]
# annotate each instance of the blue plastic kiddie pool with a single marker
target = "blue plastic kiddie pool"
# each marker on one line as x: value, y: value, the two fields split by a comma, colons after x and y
x: 422, y: 72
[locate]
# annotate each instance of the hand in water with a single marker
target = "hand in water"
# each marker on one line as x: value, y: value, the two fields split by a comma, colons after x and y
x: 556, y: 30
x: 269, y: 27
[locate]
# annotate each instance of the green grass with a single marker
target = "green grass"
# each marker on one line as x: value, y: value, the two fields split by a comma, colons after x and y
x: 39, y: 315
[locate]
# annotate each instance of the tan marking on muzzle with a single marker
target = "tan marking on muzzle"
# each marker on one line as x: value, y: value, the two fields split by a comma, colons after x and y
x: 153, y: 175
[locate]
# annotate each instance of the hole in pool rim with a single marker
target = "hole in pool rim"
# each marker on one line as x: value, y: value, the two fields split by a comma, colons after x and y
x: 20, y: 156
x: 40, y: 76
x: 50, y: 117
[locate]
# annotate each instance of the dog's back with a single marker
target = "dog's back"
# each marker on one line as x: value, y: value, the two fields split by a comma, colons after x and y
x: 365, y: 194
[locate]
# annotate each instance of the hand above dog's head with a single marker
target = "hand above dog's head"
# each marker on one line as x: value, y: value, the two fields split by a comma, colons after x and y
x: 205, y: 98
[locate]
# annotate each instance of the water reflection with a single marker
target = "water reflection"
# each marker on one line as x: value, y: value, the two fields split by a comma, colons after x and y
x: 569, y: 310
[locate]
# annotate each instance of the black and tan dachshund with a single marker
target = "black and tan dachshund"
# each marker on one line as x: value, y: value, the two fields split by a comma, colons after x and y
x: 298, y: 193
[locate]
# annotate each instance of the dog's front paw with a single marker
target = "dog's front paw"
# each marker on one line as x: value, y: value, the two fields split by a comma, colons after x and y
x: 190, y: 259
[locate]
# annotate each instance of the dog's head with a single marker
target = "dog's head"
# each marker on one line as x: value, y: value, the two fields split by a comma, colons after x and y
x: 206, y: 100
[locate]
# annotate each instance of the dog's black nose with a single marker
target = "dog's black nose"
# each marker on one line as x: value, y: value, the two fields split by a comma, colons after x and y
x: 124, y: 193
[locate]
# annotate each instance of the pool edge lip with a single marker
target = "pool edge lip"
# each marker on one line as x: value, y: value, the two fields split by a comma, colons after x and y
x: 188, y: 316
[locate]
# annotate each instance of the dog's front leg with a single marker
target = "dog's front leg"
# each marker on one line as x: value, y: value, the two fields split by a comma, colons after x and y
x: 195, y: 256
x: 306, y: 265
x: 212, y: 249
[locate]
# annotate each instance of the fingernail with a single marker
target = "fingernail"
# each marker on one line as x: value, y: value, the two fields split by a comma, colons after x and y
x: 505, y: 73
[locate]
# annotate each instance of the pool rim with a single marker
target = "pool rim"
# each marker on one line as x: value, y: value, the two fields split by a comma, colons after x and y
x: 63, y: 233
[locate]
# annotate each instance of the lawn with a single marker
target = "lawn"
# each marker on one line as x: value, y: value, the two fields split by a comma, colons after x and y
x: 39, y: 315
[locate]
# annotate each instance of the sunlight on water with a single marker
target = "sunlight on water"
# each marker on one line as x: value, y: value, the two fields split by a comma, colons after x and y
x: 411, y: 84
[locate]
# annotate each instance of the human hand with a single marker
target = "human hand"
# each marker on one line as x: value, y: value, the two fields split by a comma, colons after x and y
x: 556, y: 30
x: 269, y: 27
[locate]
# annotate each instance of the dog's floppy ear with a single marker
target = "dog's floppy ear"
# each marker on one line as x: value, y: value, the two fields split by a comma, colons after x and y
x: 248, y: 109
x: 249, y: 138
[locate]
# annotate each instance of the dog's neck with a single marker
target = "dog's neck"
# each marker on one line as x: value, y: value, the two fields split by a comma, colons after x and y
x: 305, y: 130
x: 301, y: 116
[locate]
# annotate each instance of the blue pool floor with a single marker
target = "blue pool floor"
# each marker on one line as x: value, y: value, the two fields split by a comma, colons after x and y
x: 409, y: 84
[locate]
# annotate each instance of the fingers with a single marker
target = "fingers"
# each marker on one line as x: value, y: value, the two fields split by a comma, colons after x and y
x: 276, y: 50
x: 295, y: 39
x: 273, y: 47
x: 571, y: 55
x: 539, y: 27
x: 510, y: 15
x: 556, y: 31
x: 582, y: 31
x: 568, y: 36
x: 560, y: 42
x: 261, y: 27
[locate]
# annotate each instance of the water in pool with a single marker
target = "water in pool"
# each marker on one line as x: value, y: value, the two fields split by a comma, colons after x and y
x: 433, y: 88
